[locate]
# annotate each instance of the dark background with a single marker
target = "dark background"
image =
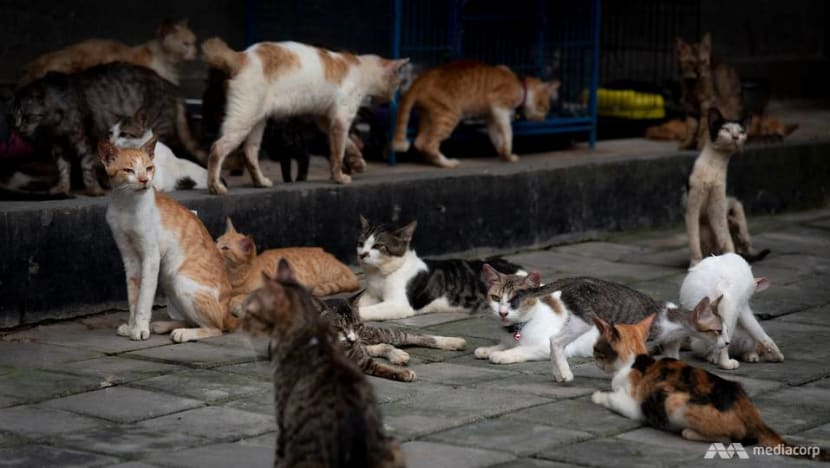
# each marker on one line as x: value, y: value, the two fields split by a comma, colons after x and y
x: 783, y: 43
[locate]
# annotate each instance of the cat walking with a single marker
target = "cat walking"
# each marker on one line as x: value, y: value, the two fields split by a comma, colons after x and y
x: 162, y: 242
x: 468, y: 88
x: 326, y: 410
x: 281, y: 79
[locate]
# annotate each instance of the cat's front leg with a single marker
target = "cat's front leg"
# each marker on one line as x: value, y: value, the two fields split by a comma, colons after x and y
x: 765, y: 346
x: 484, y: 352
x: 63, y: 185
x: 520, y: 354
x: 501, y: 133
x: 338, y: 133
x: 391, y: 353
x: 620, y: 402
x: 694, y: 204
x: 716, y: 213
x: 386, y: 310
x: 571, y: 330
x: 140, y: 328
x: 367, y: 299
x: 721, y: 359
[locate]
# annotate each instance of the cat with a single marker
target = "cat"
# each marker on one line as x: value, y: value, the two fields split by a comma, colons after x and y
x: 672, y: 395
x: 171, y: 173
x: 278, y: 79
x: 445, y: 94
x: 400, y: 284
x: 161, y: 241
x: 76, y: 111
x: 738, y: 232
x: 706, y: 198
x: 364, y: 342
x: 531, y: 314
x: 314, y: 268
x: 326, y: 410
x: 727, y: 280
x: 174, y: 43
x: 704, y: 85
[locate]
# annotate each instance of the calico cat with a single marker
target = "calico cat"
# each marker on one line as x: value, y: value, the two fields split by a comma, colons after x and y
x: 530, y: 315
x: 400, y: 284
x: 326, y: 410
x: 313, y: 267
x: 445, y: 94
x: 707, y: 206
x: 171, y: 173
x: 163, y: 242
x: 364, y: 342
x: 278, y: 79
x: 728, y: 282
x: 672, y: 395
x: 76, y: 111
x: 704, y: 85
x: 174, y: 43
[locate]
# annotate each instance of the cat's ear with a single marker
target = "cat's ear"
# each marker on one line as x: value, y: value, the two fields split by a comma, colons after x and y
x: 716, y: 304
x: 247, y: 245
x: 150, y: 146
x: 715, y: 122
x: 704, y: 316
x: 761, y: 283
x: 364, y: 224
x: 405, y: 233
x: 356, y: 298
x: 604, y: 328
x: 679, y: 44
x: 702, y: 307
x: 489, y: 275
x: 706, y: 43
x: 107, y: 151
x: 395, y: 66
x: 229, y: 226
x: 534, y: 278
x: 284, y: 272
x: 645, y: 324
x: 553, y: 87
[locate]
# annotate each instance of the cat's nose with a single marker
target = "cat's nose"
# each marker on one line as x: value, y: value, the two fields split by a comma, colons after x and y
x: 143, y: 179
x: 503, y: 313
x: 364, y: 255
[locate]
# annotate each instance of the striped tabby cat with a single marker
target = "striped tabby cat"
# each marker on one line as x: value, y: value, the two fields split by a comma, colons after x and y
x: 326, y: 410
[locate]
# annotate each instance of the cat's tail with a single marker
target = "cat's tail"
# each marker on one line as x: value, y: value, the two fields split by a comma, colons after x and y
x: 217, y: 54
x: 772, y: 440
x: 185, y: 137
x: 400, y: 143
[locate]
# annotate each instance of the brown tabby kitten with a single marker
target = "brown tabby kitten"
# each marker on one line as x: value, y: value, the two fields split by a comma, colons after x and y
x: 363, y: 342
x: 174, y: 43
x: 465, y: 88
x: 704, y: 86
x: 672, y: 395
x: 325, y: 408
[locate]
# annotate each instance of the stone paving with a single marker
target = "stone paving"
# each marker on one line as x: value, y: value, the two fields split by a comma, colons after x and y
x: 74, y: 394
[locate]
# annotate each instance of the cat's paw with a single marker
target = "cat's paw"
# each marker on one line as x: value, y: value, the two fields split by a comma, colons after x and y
x: 729, y: 364
x: 563, y: 376
x: 357, y: 164
x: 511, y: 158
x: 264, y: 182
x: 181, y: 335
x: 398, y: 356
x: 771, y: 352
x: 600, y: 398
x: 400, y: 146
x: 135, y: 332
x: 451, y: 343
x: 502, y: 357
x: 482, y: 352
x: 448, y: 163
x: 217, y: 188
x: 342, y: 178
x: 750, y: 357
x: 408, y: 375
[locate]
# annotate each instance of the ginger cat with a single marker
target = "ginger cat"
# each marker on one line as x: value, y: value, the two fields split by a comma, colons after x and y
x: 314, y: 268
x: 282, y: 79
x: 163, y: 242
x: 466, y: 88
x: 174, y: 43
x: 674, y: 396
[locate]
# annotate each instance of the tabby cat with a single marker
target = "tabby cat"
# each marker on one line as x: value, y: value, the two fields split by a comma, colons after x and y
x: 464, y: 88
x: 76, y: 111
x: 400, y: 284
x: 704, y: 85
x: 161, y: 241
x: 314, y: 268
x: 174, y: 43
x: 279, y: 79
x: 363, y: 342
x: 326, y: 410
x: 673, y: 396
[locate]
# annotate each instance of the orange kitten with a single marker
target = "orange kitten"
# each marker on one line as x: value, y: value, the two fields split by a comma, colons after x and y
x: 314, y: 268
x: 162, y: 241
x: 174, y: 43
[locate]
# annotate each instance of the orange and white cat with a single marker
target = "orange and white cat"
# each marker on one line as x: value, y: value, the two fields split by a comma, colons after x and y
x: 314, y: 268
x: 465, y: 88
x: 174, y: 43
x: 163, y: 242
x: 279, y: 79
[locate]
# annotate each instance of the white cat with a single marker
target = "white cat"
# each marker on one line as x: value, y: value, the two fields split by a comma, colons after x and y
x: 727, y: 281
x: 172, y: 173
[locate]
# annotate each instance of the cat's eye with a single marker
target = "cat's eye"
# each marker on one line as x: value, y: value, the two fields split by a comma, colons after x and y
x: 129, y: 171
x: 495, y: 298
x: 123, y: 135
x: 224, y: 247
x: 150, y: 168
x: 717, y: 332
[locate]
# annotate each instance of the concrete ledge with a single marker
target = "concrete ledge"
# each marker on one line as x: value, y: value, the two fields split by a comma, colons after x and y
x: 59, y: 259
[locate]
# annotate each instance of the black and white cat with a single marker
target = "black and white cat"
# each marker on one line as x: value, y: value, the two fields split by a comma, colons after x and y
x: 401, y: 285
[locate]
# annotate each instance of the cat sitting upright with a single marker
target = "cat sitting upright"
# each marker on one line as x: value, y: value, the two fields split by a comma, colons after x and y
x: 280, y: 79
x: 326, y: 410
x: 727, y: 281
x: 709, y: 212
x: 161, y: 241
x: 400, y: 284
x: 444, y: 94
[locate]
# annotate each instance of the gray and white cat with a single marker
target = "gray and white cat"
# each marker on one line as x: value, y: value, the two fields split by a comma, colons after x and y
x: 400, y: 284
x: 172, y: 173
x: 555, y: 320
